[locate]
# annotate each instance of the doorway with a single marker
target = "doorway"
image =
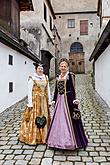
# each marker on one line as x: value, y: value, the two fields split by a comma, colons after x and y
x: 76, y: 58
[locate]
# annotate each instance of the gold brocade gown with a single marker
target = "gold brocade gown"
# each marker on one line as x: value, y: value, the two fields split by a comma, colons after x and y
x: 29, y: 133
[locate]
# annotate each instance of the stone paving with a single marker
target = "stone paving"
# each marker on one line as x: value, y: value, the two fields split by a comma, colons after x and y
x: 96, y: 120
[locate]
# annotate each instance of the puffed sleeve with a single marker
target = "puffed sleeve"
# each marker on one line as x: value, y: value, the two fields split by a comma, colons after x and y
x: 55, y: 92
x: 48, y: 91
x: 30, y: 86
x: 72, y: 75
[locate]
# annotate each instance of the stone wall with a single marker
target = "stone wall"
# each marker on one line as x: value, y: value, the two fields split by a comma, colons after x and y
x: 71, y: 35
x: 36, y: 31
x: 74, y: 6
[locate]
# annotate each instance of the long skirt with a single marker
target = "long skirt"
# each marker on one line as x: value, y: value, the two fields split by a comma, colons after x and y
x: 29, y: 133
x: 61, y: 133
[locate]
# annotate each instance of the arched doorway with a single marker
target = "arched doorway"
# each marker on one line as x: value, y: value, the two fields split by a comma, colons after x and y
x: 76, y: 58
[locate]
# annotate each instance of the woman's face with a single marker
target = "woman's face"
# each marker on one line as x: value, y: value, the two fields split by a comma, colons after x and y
x: 63, y: 67
x: 39, y: 70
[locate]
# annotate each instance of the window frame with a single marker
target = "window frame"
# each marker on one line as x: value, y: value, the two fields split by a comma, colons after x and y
x: 10, y: 60
x: 10, y: 87
x: 71, y: 23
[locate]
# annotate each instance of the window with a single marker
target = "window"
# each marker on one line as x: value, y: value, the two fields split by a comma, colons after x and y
x: 45, y: 13
x: 76, y: 47
x: 73, y: 63
x: 50, y: 23
x: 10, y: 87
x: 71, y: 23
x: 84, y: 27
x: 80, y: 62
x: 10, y: 60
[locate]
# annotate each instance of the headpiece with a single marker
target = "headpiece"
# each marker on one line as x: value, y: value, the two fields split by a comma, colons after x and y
x: 38, y: 64
x: 64, y: 60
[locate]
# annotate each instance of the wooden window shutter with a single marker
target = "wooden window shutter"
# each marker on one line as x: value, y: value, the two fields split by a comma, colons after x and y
x: 84, y: 27
x: 15, y: 19
x: 5, y: 12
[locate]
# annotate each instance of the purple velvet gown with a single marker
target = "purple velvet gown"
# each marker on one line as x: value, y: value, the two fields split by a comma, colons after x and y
x: 64, y: 131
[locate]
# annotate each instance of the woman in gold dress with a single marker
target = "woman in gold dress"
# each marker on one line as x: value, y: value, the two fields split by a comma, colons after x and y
x: 36, y: 118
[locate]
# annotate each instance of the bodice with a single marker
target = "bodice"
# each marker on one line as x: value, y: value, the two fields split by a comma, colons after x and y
x: 61, y: 86
x: 40, y: 86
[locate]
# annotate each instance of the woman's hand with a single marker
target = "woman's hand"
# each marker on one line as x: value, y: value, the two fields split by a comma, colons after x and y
x: 30, y: 106
x: 76, y: 101
x: 52, y: 104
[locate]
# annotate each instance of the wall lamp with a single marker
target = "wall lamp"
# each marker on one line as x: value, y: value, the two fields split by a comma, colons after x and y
x: 54, y: 31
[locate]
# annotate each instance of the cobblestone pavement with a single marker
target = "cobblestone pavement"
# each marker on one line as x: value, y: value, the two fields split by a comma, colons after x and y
x: 96, y: 120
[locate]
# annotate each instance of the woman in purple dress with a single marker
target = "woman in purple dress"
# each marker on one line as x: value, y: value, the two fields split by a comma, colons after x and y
x: 66, y: 130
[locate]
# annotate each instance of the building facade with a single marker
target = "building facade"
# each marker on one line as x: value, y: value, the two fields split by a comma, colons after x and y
x: 16, y: 61
x: 37, y: 29
x: 101, y: 53
x: 78, y: 26
x: 103, y: 11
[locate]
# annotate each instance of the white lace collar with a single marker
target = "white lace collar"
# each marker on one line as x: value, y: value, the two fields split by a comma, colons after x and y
x: 64, y: 76
x: 39, y: 77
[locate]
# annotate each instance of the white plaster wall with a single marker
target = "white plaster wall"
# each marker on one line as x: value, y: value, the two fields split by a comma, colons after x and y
x: 102, y: 75
x: 105, y: 8
x: 105, y: 14
x: 17, y: 73
x: 104, y: 24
